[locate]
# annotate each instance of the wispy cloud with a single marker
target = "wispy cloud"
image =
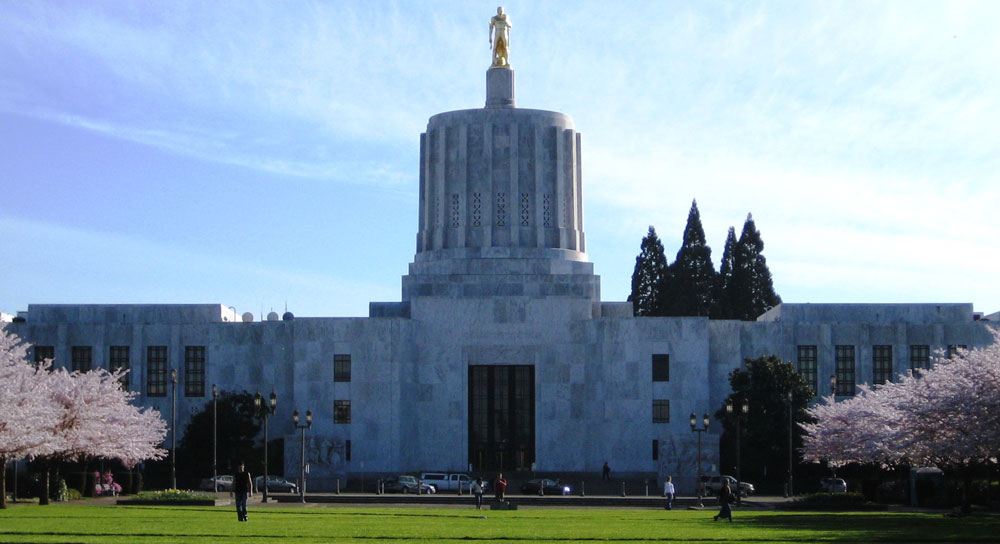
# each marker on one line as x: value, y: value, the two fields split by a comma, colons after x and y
x: 222, y: 279
x: 860, y: 134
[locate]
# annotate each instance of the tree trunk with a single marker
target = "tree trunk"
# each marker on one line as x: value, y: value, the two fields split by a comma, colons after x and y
x: 967, y: 491
x: 43, y: 497
x: 3, y: 482
x: 83, y: 480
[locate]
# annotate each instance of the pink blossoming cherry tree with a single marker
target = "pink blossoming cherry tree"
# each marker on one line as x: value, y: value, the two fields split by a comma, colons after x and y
x: 60, y: 415
x: 946, y: 417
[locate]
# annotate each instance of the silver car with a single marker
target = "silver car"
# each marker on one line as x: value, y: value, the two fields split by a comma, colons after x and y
x: 222, y: 482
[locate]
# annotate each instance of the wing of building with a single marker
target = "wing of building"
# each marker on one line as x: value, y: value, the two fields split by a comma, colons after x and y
x: 501, y: 354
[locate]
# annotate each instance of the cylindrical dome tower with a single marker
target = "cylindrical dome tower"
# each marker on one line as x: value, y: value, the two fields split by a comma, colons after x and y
x: 500, y: 194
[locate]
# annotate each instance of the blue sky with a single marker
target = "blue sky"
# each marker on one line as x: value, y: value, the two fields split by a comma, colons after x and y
x: 258, y: 153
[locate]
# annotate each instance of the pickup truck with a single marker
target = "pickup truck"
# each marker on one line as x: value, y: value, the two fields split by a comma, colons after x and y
x: 444, y: 481
x: 713, y: 485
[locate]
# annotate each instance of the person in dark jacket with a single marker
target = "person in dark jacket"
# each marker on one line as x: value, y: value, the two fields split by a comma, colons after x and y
x: 242, y: 490
x: 725, y: 494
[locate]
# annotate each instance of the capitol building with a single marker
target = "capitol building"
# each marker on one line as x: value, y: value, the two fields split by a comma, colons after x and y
x: 500, y: 353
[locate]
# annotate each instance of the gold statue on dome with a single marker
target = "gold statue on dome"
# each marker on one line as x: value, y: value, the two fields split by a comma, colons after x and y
x: 500, y: 38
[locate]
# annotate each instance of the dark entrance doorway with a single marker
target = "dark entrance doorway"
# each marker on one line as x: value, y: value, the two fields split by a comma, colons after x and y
x: 501, y: 417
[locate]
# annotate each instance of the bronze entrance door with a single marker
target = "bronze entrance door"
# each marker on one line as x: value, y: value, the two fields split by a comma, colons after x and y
x: 501, y: 417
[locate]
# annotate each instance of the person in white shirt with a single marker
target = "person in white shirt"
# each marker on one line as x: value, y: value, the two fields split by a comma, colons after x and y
x: 668, y: 492
x: 477, y: 490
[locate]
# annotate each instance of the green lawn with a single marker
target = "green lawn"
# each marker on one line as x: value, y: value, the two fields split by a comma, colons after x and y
x: 190, y: 525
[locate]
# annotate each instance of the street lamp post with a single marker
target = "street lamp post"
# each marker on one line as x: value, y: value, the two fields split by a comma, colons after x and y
x: 215, y: 435
x: 741, y: 410
x: 173, y: 428
x: 704, y: 428
x: 791, y: 488
x: 265, y: 409
x: 302, y: 460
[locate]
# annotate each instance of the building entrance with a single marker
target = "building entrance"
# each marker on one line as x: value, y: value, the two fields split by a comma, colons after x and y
x: 501, y: 417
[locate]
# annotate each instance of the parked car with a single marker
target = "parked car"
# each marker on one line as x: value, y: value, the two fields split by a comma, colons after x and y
x: 833, y: 485
x: 405, y: 483
x: 223, y: 482
x: 549, y: 487
x: 443, y: 481
x: 275, y: 484
x: 713, y: 485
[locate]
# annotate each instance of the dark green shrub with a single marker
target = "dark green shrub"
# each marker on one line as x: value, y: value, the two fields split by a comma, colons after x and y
x: 36, y: 483
x: 893, y: 491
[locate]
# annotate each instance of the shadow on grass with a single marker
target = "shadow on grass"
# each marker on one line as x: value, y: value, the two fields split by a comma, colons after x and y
x: 880, y: 527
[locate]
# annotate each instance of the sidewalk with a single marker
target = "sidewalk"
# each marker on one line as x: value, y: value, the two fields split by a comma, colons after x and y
x: 453, y: 500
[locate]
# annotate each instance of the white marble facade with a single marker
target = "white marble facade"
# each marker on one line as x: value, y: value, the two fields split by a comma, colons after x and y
x: 500, y: 277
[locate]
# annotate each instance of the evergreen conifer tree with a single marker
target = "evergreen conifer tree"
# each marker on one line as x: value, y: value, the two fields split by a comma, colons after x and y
x: 693, y: 276
x: 649, y: 277
x: 723, y: 308
x: 752, y: 290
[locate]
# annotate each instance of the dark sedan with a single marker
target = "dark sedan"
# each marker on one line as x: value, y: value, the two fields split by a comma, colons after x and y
x: 549, y: 487
x: 275, y: 484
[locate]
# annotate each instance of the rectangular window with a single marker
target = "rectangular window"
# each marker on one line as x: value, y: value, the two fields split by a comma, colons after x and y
x: 341, y: 368
x: 845, y: 370
x: 342, y: 411
x: 661, y: 368
x: 194, y: 371
x: 807, y: 365
x: 954, y: 350
x: 347, y: 450
x: 118, y: 360
x: 881, y: 364
x: 156, y: 371
x: 661, y: 411
x: 82, y: 359
x: 44, y: 353
x: 656, y: 450
x: 920, y: 358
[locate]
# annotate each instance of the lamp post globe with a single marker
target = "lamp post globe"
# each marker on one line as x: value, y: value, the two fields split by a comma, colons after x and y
x: 791, y: 458
x: 740, y: 411
x: 173, y: 428
x: 215, y: 436
x: 302, y: 450
x: 264, y: 409
x: 694, y: 427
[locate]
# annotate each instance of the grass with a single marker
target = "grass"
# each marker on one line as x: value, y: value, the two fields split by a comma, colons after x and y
x: 190, y: 525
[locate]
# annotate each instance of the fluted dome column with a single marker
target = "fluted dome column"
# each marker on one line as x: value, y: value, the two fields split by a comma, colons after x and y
x: 500, y: 177
x: 501, y: 203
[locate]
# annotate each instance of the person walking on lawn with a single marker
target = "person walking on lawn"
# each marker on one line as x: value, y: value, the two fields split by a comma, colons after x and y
x: 477, y: 490
x: 725, y: 494
x: 668, y: 492
x: 242, y: 490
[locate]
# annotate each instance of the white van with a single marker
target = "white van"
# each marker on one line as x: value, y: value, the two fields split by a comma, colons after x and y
x: 443, y: 481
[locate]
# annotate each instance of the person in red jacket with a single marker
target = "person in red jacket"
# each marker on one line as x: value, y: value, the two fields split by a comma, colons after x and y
x: 500, y: 485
